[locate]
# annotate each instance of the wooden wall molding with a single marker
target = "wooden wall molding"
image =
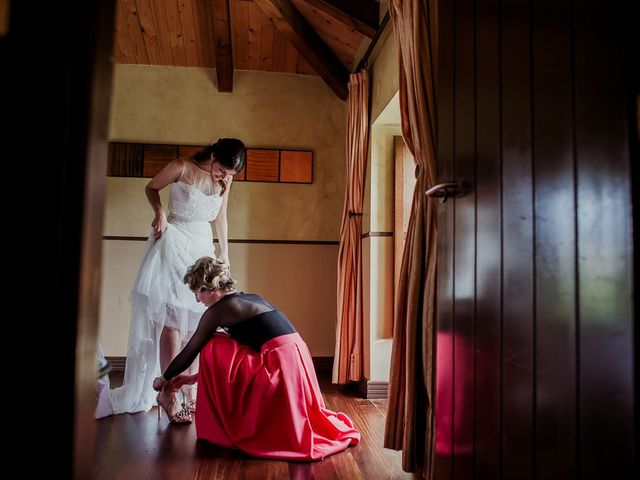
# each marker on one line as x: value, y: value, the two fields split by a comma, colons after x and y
x: 368, y: 389
x: 376, y: 234
x: 272, y: 165
x: 117, y: 363
x: 372, y: 390
x: 234, y: 240
x: 323, y: 365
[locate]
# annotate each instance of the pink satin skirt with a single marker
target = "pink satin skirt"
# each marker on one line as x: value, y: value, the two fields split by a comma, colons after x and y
x: 267, y: 404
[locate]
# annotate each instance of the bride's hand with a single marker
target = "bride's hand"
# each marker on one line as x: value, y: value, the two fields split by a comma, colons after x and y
x: 159, y: 224
x: 224, y: 258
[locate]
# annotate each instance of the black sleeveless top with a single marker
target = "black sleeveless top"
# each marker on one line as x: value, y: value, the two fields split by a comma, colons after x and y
x: 246, y: 317
x: 257, y: 330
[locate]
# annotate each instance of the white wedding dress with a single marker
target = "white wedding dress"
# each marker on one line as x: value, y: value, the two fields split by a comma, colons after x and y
x: 159, y: 297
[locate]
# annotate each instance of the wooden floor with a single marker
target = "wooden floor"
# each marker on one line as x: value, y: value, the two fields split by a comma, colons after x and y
x: 139, y: 446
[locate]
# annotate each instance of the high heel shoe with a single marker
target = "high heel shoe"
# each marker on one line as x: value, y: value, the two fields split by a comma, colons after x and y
x: 189, y: 398
x: 181, y: 416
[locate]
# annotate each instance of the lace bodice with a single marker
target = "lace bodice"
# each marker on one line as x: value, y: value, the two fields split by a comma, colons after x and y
x: 195, y: 197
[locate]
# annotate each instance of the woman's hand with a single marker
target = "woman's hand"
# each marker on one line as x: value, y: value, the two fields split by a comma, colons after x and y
x: 181, y: 380
x: 224, y: 257
x: 159, y: 224
x: 159, y: 383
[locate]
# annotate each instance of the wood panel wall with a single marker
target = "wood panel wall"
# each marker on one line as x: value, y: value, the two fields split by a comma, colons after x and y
x: 535, y: 296
x: 166, y: 32
x: 71, y: 42
x: 262, y: 165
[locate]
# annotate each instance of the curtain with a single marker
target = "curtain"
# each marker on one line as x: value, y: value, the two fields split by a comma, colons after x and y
x: 410, y: 417
x: 347, y: 365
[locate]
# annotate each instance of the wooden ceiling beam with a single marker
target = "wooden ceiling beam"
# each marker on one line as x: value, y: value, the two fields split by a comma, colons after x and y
x: 222, y: 45
x: 361, y: 15
x: 291, y: 23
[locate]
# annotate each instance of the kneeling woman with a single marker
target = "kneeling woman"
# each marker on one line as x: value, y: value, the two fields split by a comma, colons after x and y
x: 257, y: 388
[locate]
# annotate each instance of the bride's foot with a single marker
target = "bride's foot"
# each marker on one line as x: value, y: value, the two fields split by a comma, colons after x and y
x: 168, y: 401
x: 189, y: 392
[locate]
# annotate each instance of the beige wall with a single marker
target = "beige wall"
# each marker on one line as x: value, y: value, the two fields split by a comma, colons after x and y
x: 298, y: 279
x: 379, y: 274
x: 378, y: 209
x: 181, y: 105
x: 178, y: 105
x: 381, y: 160
x: 377, y: 305
x: 384, y: 72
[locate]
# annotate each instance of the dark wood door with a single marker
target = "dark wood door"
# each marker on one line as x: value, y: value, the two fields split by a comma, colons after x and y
x: 56, y: 59
x: 535, y: 312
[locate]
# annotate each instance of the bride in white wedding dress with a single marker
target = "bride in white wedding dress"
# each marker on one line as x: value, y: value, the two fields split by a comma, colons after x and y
x: 165, y: 312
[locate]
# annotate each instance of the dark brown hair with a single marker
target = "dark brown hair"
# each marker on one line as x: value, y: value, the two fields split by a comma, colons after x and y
x: 229, y: 152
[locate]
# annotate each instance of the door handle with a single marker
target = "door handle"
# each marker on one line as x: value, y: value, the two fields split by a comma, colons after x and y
x: 445, y: 190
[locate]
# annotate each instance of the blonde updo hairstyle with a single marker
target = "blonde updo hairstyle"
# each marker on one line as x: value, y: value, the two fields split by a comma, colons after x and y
x: 209, y: 274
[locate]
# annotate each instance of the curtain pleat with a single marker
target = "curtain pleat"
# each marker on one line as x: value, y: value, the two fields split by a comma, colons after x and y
x: 347, y: 364
x: 410, y: 416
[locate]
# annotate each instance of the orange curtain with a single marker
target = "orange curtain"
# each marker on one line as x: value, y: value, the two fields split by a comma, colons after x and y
x: 410, y: 417
x: 347, y: 364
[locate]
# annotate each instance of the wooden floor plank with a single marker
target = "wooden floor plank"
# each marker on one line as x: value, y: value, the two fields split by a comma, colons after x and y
x: 141, y: 447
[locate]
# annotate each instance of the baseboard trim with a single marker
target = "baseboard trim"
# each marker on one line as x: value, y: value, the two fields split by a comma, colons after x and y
x: 117, y: 363
x: 323, y: 365
x: 373, y: 390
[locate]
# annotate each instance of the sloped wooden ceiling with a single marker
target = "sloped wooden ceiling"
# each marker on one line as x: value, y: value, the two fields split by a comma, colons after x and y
x: 308, y: 37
